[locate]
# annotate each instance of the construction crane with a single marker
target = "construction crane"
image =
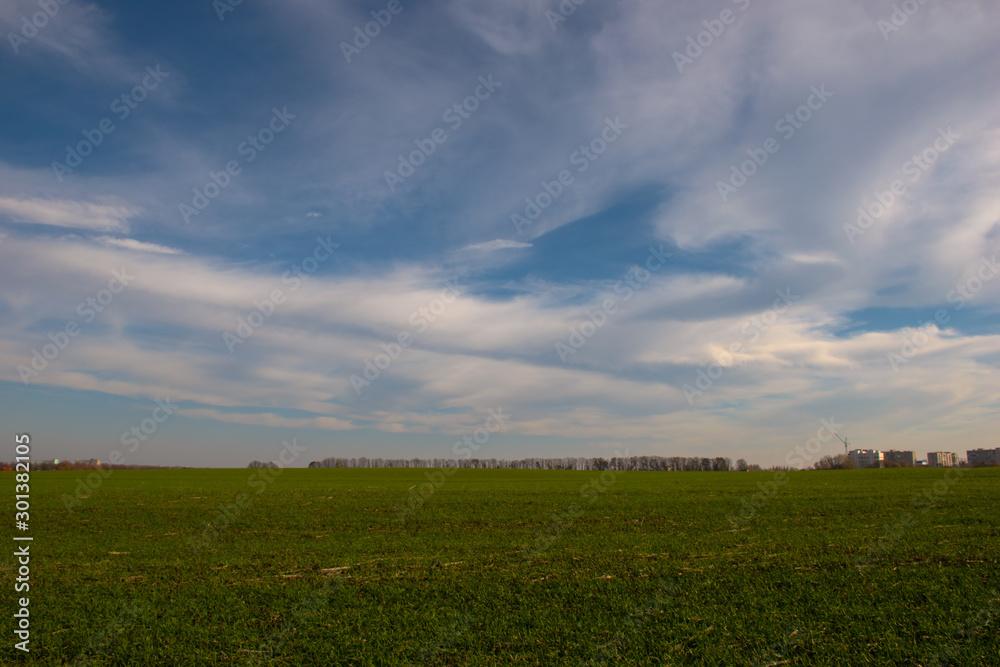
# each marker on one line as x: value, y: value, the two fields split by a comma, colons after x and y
x: 843, y: 440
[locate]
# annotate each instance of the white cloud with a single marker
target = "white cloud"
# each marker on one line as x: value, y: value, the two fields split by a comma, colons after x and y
x: 68, y: 213
x: 477, y: 354
x: 686, y: 131
x: 498, y: 244
x: 513, y: 27
x: 817, y: 258
x: 79, y: 33
x: 270, y: 419
x: 139, y: 246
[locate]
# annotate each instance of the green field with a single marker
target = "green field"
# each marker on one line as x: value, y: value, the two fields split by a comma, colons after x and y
x: 504, y: 567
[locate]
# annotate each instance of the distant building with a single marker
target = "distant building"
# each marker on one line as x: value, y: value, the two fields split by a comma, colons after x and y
x: 983, y: 457
x: 867, y: 458
x: 942, y: 459
x: 88, y: 462
x: 905, y: 458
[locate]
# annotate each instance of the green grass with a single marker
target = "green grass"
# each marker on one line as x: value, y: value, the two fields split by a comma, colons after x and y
x: 648, y: 571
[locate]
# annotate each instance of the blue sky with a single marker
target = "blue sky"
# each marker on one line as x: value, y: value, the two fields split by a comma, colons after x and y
x: 490, y: 183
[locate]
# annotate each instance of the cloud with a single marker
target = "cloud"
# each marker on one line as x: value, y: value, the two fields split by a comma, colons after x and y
x: 80, y: 34
x: 514, y: 27
x: 270, y: 419
x: 67, y: 213
x: 139, y: 246
x: 498, y: 244
x: 162, y: 337
x: 495, y: 345
x: 817, y: 258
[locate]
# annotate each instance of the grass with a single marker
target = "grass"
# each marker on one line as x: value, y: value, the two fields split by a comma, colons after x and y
x: 516, y: 568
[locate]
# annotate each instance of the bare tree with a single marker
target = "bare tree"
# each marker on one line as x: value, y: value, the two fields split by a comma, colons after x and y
x: 618, y: 463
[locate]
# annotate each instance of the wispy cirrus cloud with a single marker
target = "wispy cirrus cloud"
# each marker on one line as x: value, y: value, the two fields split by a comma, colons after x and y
x: 270, y: 419
x: 498, y: 244
x: 139, y: 246
x: 656, y: 186
x: 95, y: 216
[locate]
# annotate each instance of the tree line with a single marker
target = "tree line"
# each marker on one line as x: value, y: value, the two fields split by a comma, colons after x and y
x: 616, y: 463
x: 36, y: 466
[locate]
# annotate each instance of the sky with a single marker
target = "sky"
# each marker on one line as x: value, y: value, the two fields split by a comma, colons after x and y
x: 671, y: 228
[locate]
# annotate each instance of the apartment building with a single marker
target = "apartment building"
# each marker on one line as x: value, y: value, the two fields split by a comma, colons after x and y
x: 905, y: 458
x: 983, y: 457
x: 942, y: 459
x: 867, y: 458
